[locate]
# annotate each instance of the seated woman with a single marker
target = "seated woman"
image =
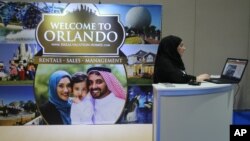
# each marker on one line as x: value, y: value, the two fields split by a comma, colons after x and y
x: 169, y: 66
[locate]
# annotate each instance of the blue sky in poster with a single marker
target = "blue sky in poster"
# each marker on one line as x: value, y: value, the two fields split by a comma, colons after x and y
x: 111, y: 9
x: 16, y: 93
x: 7, y: 52
x: 129, y: 49
x: 104, y: 9
x: 155, y: 11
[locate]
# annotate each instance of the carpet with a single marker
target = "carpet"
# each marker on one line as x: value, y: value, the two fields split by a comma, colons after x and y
x: 241, y: 117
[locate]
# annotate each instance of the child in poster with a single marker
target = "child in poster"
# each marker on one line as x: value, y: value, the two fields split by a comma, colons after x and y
x: 82, y: 107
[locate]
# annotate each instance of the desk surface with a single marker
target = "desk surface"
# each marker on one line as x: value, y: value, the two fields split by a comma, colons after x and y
x: 184, y: 112
x: 185, y: 89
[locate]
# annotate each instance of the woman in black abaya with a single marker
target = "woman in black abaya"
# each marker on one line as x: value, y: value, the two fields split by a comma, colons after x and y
x: 169, y: 66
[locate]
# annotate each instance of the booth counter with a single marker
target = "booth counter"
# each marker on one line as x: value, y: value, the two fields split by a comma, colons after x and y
x: 185, y: 112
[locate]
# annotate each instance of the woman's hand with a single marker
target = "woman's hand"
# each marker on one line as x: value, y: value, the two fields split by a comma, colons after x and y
x: 202, y: 77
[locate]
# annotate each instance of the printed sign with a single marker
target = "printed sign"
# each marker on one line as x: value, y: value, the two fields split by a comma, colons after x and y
x: 77, y: 63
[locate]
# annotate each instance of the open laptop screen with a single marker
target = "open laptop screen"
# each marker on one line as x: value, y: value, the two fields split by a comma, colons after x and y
x: 234, y: 68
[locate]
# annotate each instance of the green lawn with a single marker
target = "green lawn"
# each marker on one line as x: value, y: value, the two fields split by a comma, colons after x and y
x: 133, y: 40
x: 139, y: 81
x: 18, y: 82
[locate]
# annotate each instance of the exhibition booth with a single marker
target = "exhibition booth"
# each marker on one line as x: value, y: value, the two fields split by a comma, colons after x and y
x: 41, y: 40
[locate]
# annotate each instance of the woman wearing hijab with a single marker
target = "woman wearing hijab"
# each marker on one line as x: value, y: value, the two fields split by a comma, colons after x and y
x: 57, y: 109
x: 169, y: 66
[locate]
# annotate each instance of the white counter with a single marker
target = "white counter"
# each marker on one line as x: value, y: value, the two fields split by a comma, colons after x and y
x: 192, y: 113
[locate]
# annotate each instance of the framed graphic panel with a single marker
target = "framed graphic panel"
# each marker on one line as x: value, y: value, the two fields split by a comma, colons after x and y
x: 77, y: 63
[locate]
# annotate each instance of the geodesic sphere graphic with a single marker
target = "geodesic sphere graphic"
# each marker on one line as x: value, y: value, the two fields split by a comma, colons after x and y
x: 138, y: 17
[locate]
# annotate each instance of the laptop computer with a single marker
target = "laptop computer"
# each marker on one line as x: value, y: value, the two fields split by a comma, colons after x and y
x: 232, y: 72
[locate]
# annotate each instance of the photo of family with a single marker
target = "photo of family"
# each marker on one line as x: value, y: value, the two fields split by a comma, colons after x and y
x: 80, y: 94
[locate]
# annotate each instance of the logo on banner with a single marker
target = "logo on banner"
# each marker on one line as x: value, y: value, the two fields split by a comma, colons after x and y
x: 80, y: 32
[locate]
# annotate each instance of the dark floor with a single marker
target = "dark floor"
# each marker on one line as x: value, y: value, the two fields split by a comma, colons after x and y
x: 241, y: 117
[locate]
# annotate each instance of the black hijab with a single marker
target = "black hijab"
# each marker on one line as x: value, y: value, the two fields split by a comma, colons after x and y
x: 168, y: 50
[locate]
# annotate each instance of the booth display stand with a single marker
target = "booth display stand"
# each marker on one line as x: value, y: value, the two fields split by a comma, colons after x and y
x: 184, y: 112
